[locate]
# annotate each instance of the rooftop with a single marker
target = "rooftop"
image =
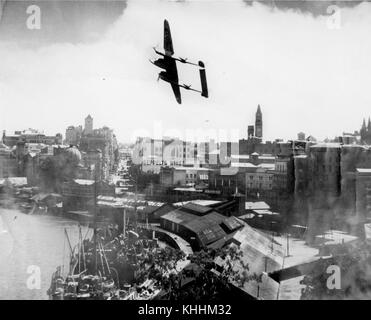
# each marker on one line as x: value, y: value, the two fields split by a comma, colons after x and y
x: 232, y: 223
x: 334, y: 237
x: 243, y: 165
x: 290, y: 289
x: 240, y: 156
x: 85, y: 182
x: 299, y: 251
x: 260, y: 251
x: 187, y: 189
x: 206, y: 227
x: 258, y: 205
x: 193, y: 168
x: 363, y: 170
x: 194, y: 208
x: 129, y: 203
x: 198, y: 202
x: 327, y: 145
x: 265, y: 212
x: 268, y: 166
x: 16, y: 181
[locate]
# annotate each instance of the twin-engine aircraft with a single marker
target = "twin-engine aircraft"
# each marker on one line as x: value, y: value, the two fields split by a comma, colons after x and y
x: 168, y: 63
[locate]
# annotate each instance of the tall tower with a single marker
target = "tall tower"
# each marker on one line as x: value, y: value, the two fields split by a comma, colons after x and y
x: 250, y: 132
x: 363, y: 131
x: 259, y: 123
x: 88, y: 125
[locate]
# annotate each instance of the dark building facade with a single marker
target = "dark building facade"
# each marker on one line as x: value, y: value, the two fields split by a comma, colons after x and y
x: 365, y: 132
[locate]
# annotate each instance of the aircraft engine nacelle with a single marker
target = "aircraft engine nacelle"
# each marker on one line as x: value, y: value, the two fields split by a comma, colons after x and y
x: 160, y: 63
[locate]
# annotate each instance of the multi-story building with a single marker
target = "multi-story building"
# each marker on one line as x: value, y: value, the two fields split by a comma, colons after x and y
x: 301, y: 136
x: 73, y: 135
x: 8, y: 162
x: 363, y: 196
x: 284, y: 179
x: 365, y: 132
x: 325, y: 169
x: 184, y: 176
x: 301, y: 174
x: 88, y: 129
x: 260, y: 180
x: 227, y: 181
x: 92, y: 160
x: 152, y: 154
x: 31, y: 136
x: 90, y: 141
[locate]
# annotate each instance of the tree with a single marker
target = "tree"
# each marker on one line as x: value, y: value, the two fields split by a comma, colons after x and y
x: 355, y: 268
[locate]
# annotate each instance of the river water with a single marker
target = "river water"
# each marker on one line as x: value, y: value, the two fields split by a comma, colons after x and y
x: 31, y: 247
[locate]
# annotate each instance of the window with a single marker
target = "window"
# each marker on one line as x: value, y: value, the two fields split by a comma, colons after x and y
x: 251, y: 177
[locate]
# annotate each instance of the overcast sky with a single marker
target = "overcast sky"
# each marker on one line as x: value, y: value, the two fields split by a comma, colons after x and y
x: 306, y: 76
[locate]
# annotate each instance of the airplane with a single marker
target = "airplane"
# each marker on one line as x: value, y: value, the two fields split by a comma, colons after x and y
x: 168, y: 63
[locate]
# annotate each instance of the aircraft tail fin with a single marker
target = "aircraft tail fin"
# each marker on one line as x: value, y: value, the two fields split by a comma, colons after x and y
x: 168, y: 42
x: 205, y: 92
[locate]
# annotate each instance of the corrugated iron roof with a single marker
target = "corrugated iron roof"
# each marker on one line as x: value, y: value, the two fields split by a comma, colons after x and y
x: 232, y: 223
x: 195, y: 208
x: 259, y: 250
x: 206, y: 227
x: 199, y: 202
x: 257, y: 205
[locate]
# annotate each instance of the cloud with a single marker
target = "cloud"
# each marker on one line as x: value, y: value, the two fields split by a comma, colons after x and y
x: 306, y: 76
x: 313, y: 7
x: 61, y: 20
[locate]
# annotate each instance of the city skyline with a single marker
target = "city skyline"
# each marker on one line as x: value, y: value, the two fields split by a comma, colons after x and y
x: 185, y: 151
x: 306, y: 78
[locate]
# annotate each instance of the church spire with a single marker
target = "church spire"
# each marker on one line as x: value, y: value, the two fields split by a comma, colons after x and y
x: 369, y: 124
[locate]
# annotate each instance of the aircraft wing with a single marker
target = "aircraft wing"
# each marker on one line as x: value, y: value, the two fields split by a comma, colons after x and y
x: 168, y: 42
x: 176, y: 91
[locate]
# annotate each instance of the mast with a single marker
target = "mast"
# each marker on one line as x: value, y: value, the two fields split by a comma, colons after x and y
x: 71, y: 250
x: 124, y: 231
x: 95, y: 222
x: 136, y: 199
